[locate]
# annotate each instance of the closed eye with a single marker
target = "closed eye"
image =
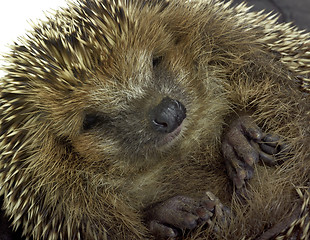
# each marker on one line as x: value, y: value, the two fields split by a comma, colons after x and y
x: 92, y: 120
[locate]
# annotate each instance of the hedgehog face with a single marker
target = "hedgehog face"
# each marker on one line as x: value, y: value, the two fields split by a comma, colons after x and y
x: 142, y: 114
x: 136, y: 101
x: 138, y: 104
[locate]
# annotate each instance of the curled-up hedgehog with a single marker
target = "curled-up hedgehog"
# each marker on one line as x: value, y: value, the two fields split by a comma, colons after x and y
x: 136, y: 119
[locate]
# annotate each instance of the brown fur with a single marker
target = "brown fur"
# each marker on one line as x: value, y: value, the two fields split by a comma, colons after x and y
x: 63, y: 182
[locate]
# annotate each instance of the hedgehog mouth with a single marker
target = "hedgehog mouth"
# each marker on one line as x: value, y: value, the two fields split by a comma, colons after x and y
x: 170, y: 137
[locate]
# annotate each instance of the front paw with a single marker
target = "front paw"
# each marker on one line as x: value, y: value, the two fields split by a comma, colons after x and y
x: 244, y: 144
x: 170, y: 218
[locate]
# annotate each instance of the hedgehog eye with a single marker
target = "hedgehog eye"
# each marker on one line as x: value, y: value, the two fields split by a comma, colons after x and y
x: 93, y: 120
x: 90, y: 121
x: 157, y: 61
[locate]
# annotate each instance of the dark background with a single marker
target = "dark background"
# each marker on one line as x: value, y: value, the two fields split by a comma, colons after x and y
x: 296, y: 11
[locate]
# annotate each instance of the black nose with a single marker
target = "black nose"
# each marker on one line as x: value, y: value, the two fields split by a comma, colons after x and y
x: 167, y: 115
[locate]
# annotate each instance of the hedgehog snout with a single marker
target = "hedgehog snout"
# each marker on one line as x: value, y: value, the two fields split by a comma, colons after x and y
x: 168, y: 115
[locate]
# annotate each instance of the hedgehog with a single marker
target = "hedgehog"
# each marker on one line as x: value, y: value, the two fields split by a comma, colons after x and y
x: 135, y: 119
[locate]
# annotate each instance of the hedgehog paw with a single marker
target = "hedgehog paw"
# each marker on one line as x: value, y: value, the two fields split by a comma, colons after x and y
x: 172, y: 217
x: 244, y: 144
